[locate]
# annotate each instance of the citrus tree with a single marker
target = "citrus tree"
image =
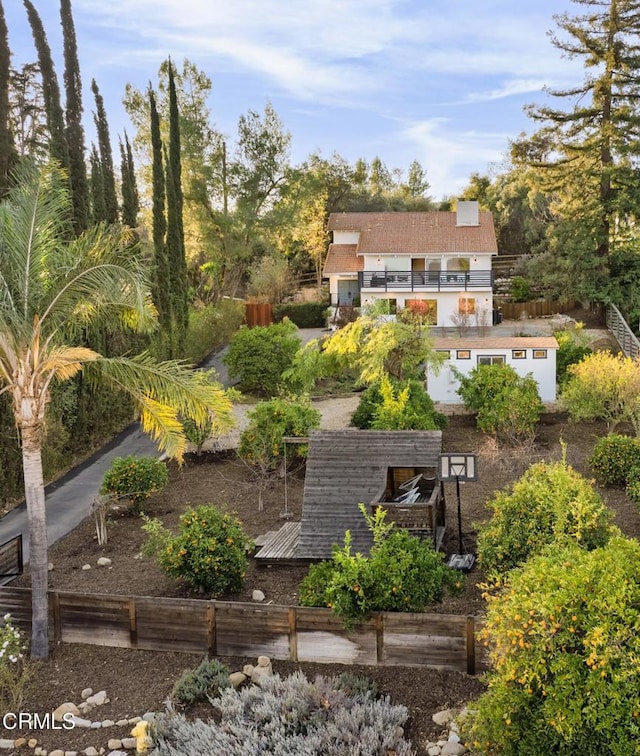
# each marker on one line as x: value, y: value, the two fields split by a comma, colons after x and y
x: 52, y: 288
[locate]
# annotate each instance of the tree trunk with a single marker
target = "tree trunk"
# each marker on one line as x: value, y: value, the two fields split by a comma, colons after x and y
x: 34, y: 495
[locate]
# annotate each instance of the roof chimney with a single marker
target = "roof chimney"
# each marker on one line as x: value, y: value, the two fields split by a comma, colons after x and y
x: 468, y: 213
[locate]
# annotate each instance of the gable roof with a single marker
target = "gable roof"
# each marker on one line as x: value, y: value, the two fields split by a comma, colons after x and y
x: 342, y: 258
x: 417, y: 233
x: 349, y: 467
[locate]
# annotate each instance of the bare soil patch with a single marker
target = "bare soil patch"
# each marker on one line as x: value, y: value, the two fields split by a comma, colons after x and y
x: 137, y: 681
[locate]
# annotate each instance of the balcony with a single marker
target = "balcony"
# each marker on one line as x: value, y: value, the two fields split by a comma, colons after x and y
x: 445, y: 280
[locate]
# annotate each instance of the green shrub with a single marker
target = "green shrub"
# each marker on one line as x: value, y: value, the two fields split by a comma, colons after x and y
x: 564, y: 649
x: 261, y: 442
x: 207, y: 679
x: 259, y: 356
x: 551, y: 503
x: 633, y: 489
x: 197, y: 434
x: 407, y: 407
x: 304, y: 314
x: 135, y: 478
x: 401, y: 574
x: 211, y: 327
x: 520, y: 289
x: 506, y: 404
x: 14, y: 666
x: 572, y: 349
x: 209, y: 552
x: 613, y: 458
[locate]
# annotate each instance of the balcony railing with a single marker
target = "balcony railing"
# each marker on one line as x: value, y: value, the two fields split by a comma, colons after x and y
x: 396, y: 280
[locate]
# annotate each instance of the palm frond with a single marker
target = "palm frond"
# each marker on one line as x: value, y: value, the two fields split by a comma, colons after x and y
x: 64, y: 362
x: 161, y: 423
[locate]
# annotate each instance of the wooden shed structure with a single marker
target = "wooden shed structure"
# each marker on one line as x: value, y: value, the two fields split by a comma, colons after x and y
x: 393, y: 469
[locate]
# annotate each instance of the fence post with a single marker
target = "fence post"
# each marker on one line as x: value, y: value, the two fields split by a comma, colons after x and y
x: 57, y: 624
x: 211, y: 629
x: 293, y: 634
x: 471, y: 646
x: 379, y: 624
x: 133, y: 623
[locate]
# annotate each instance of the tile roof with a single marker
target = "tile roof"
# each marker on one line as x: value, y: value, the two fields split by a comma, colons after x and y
x: 342, y: 258
x: 417, y: 233
x: 498, y: 342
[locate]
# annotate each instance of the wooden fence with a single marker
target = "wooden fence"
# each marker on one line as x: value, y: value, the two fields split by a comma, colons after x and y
x: 11, y: 559
x: 258, y: 314
x: 221, y: 628
x: 536, y: 309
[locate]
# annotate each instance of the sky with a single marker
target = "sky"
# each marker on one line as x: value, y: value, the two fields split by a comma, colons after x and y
x: 443, y: 82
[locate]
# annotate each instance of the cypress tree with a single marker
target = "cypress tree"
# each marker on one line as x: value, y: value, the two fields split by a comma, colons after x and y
x: 74, y: 128
x: 58, y: 148
x: 130, y: 198
x: 106, y: 157
x: 98, y: 208
x: 8, y: 154
x: 161, y: 284
x: 175, y: 223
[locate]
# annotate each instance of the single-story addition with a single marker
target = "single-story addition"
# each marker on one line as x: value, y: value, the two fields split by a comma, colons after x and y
x: 525, y: 354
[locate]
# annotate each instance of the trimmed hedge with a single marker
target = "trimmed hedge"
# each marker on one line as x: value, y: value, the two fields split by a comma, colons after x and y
x: 304, y: 314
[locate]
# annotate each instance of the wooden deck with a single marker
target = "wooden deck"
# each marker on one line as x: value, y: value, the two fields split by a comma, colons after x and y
x: 279, y: 547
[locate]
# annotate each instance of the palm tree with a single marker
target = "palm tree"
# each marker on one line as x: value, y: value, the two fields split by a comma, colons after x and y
x: 53, y: 287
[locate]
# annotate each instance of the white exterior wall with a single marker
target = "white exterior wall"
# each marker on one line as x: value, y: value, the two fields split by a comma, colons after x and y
x: 346, y: 237
x: 447, y: 303
x: 442, y: 387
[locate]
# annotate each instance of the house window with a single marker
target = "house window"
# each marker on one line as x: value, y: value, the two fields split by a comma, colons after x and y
x: 467, y: 306
x: 539, y: 354
x: 518, y: 354
x: 491, y: 359
x: 423, y: 310
x: 463, y: 354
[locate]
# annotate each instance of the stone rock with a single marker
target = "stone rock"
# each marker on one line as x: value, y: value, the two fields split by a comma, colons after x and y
x: 96, y: 725
x: 32, y: 742
x: 129, y: 743
x: 453, y: 737
x: 258, y: 596
x: 434, y: 750
x: 117, y: 753
x: 442, y: 718
x: 40, y: 752
x: 149, y: 716
x: 50, y: 568
x: 66, y: 708
x: 84, y: 707
x: 57, y: 752
x: 90, y: 751
x: 135, y: 720
x: 237, y: 678
x: 6, y: 745
x: 80, y: 722
x: 248, y: 670
x: 97, y: 699
x: 122, y: 723
x: 86, y: 566
x: 21, y: 743
x: 86, y: 692
x: 108, y: 723
x: 114, y: 744
x: 70, y: 753
x: 453, y: 749
x: 264, y: 661
x: 104, y: 562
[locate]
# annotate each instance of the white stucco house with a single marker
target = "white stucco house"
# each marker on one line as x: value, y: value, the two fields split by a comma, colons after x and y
x: 441, y: 258
x: 526, y: 354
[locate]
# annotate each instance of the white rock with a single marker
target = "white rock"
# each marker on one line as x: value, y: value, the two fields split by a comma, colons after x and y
x: 80, y: 722
x: 258, y: 595
x: 96, y: 725
x: 453, y: 749
x: 237, y: 679
x: 264, y: 661
x: 70, y: 753
x: 135, y: 720
x: 90, y: 751
x: 84, y: 707
x: 57, y: 752
x: 442, y: 718
x: 454, y: 737
x: 6, y: 745
x: 117, y: 753
x: 66, y: 708
x: 104, y: 562
x: 114, y: 744
x: 86, y: 566
x: 32, y: 742
x: 122, y: 723
x: 434, y: 751
x: 87, y: 691
x: 248, y: 670
x: 108, y: 723
x: 129, y: 743
x: 97, y: 699
x: 50, y: 568
x: 149, y: 716
x: 259, y: 673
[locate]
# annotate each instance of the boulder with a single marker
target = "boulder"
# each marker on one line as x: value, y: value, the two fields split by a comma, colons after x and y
x: 237, y: 679
x: 442, y: 718
x: 104, y: 562
x: 65, y: 708
x: 87, y: 691
x: 257, y: 595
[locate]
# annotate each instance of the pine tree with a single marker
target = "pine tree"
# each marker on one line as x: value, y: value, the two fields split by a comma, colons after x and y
x: 161, y: 283
x: 74, y: 128
x: 130, y: 198
x: 58, y: 148
x: 175, y: 227
x: 8, y: 155
x: 106, y: 157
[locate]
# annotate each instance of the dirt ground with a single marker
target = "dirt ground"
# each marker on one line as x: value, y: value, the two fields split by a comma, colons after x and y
x: 137, y: 681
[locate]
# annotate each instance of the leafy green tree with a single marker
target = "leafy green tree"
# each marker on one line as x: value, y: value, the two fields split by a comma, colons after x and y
x: 507, y: 405
x: 550, y: 503
x: 74, y: 130
x: 563, y: 646
x: 393, y: 405
x: 52, y: 290
x: 258, y: 357
x: 106, y: 157
x: 135, y: 478
x: 27, y: 112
